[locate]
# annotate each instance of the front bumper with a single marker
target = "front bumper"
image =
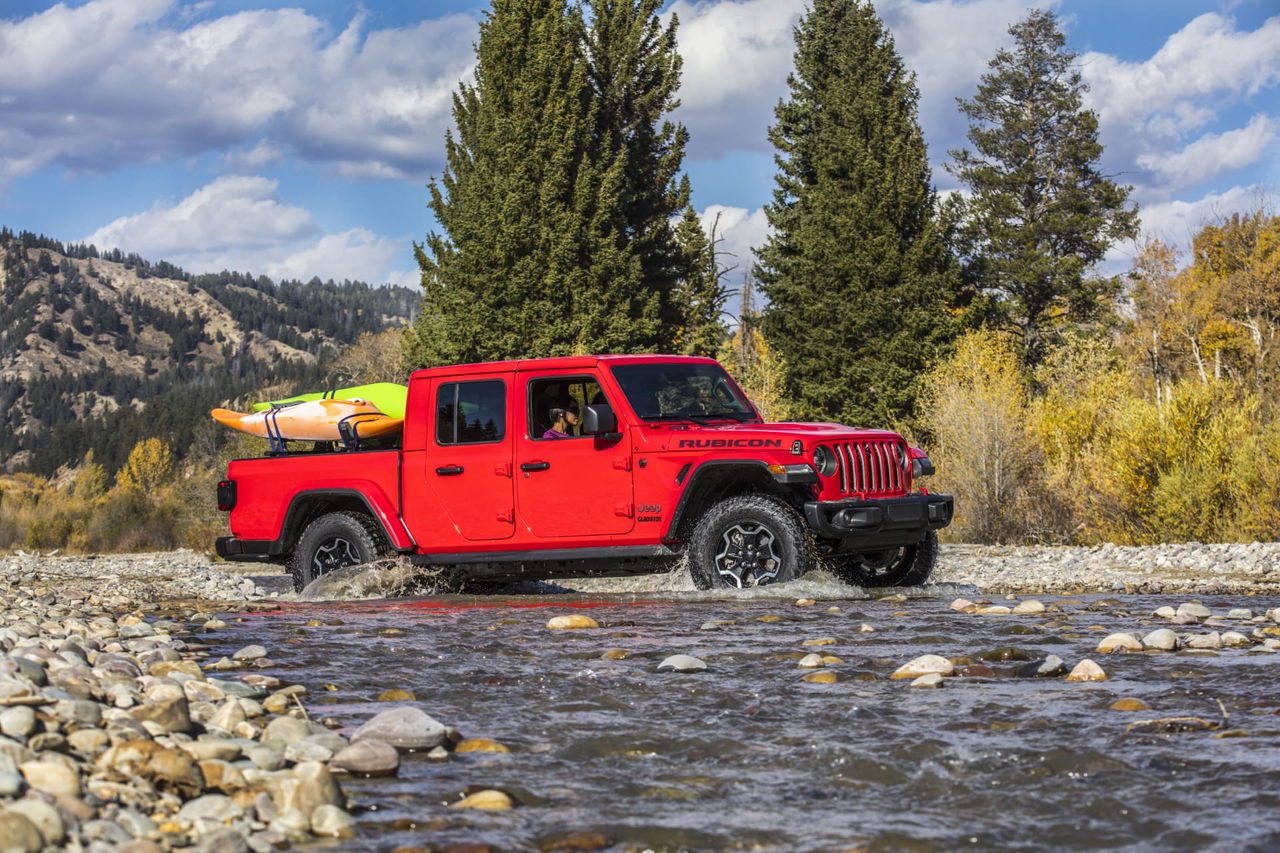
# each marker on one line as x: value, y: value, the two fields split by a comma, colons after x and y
x: 880, y: 522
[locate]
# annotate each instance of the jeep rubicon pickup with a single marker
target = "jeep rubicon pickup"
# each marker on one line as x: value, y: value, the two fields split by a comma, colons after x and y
x: 668, y: 460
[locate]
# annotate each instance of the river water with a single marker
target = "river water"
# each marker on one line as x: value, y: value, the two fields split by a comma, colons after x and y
x: 610, y: 754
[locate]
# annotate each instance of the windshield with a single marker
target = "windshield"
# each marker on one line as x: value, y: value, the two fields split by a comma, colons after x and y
x: 682, y: 391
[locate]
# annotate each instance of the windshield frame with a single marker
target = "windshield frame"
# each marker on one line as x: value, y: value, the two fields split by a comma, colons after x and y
x: 634, y: 386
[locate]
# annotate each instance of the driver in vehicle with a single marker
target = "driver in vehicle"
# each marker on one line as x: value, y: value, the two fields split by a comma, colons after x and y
x: 562, y: 421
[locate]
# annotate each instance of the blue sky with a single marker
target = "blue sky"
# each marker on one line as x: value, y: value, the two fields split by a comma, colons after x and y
x: 296, y: 139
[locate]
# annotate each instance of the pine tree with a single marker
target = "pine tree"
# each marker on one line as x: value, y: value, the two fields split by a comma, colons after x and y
x: 700, y: 292
x: 558, y: 191
x: 856, y: 271
x: 1040, y: 213
x: 499, y: 282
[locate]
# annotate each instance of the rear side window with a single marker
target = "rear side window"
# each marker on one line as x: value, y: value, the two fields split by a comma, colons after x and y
x: 471, y: 412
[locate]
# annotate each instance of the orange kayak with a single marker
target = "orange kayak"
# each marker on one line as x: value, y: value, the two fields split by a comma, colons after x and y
x: 316, y: 420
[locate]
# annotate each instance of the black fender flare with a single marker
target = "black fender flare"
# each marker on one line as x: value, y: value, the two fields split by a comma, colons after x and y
x: 699, y: 480
x: 291, y: 528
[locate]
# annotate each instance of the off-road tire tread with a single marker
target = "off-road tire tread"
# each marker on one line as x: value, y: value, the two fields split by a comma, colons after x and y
x: 368, y: 538
x: 790, y: 526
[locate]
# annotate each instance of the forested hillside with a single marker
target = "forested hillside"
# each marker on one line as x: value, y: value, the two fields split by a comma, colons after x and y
x: 100, y: 349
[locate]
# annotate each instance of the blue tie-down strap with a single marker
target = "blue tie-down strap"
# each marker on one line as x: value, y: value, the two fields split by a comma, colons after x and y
x: 275, y: 441
x: 349, y: 428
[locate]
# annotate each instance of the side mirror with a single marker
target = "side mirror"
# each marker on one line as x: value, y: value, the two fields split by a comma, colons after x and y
x: 600, y: 420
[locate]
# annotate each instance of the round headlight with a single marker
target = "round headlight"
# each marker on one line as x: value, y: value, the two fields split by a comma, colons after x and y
x: 824, y: 460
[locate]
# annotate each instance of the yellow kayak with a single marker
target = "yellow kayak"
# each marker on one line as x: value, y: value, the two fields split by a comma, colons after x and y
x: 389, y: 397
x: 316, y: 420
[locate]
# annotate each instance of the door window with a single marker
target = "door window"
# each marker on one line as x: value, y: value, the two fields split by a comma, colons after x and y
x: 471, y: 412
x: 559, y: 401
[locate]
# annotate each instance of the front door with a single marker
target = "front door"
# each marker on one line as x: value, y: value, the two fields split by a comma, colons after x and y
x: 567, y: 484
x: 469, y: 456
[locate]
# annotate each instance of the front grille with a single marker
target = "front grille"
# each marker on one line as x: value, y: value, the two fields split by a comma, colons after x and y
x: 873, y: 467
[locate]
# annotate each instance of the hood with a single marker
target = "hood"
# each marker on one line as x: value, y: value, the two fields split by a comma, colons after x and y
x: 691, y: 437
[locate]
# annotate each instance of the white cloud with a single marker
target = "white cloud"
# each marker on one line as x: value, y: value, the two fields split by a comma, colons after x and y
x: 738, y: 232
x: 114, y: 82
x: 1176, y: 222
x: 1213, y: 154
x: 239, y: 223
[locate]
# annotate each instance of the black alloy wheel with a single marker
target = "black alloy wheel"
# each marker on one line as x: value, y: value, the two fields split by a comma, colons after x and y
x: 334, y: 541
x: 908, y: 565
x: 746, y: 541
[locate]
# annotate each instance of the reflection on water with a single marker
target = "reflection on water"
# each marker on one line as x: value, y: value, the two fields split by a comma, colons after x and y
x: 610, y: 754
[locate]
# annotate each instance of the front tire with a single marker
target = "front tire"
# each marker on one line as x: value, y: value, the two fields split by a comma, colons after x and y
x: 909, y: 565
x: 333, y: 541
x: 748, y: 540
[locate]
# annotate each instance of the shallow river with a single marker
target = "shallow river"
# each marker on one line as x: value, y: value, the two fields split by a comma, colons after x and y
x: 611, y: 754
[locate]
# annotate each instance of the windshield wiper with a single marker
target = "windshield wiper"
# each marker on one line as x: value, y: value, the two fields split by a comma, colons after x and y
x: 699, y: 416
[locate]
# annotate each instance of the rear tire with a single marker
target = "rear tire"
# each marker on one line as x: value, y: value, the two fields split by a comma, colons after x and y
x: 909, y: 565
x: 748, y: 540
x: 332, y: 541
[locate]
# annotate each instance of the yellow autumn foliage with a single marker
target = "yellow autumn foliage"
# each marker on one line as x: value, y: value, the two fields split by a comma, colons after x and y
x: 149, y: 466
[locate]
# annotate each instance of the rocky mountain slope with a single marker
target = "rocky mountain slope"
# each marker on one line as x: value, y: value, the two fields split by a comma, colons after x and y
x: 98, y: 349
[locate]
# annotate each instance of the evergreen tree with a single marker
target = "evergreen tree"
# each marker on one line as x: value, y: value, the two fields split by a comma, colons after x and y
x: 1040, y: 213
x: 558, y: 190
x: 499, y: 282
x: 700, y: 291
x: 856, y: 270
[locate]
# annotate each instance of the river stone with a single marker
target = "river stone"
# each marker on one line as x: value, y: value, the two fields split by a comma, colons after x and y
x: 88, y: 742
x: 488, y: 800
x: 368, y: 758
x: 1239, y: 614
x: 250, y: 653
x: 1030, y: 605
x: 963, y: 605
x: 1120, y: 642
x: 1050, y: 667
x: 18, y: 722
x: 396, y: 694
x: 285, y: 730
x: 1130, y: 705
x: 810, y: 661
x: 44, y: 817
x: 681, y: 663
x: 216, y: 807
x: 222, y: 776
x: 1165, y: 612
x: 993, y: 610
x: 575, y: 620
x: 186, y: 667
x: 1194, y: 609
x: 924, y: 665
x: 266, y: 756
x: 928, y: 681
x: 212, y: 749
x: 103, y: 831
x: 1212, y: 640
x: 81, y: 712
x: 1161, y: 639
x: 403, y: 728
x: 307, y: 750
x: 308, y: 785
x: 172, y: 715
x: 1087, y: 670
x: 20, y: 834
x: 51, y: 777
x: 824, y: 676
x: 329, y: 821
x: 1235, y: 639
x: 168, y: 769
x: 291, y: 823
x: 11, y: 783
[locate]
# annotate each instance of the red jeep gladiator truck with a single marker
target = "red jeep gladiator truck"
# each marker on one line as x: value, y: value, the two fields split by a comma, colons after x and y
x: 618, y: 464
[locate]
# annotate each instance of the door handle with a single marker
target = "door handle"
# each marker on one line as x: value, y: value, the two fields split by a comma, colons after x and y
x: 449, y: 470
x: 535, y: 466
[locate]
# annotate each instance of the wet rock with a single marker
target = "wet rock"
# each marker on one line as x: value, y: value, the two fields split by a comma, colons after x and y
x: 1161, y: 640
x: 810, y: 661
x: 329, y: 821
x: 266, y: 756
x: 1239, y: 614
x: 1129, y: 705
x: 681, y: 663
x: 308, y: 785
x: 1050, y: 667
x: 1029, y: 605
x: 488, y: 800
x: 574, y: 620
x: 51, y: 777
x: 924, y: 665
x: 11, y: 783
x: 1006, y: 653
x: 287, y: 730
x: 1120, y: 642
x: 1212, y: 640
x: 172, y: 715
x: 974, y: 670
x: 222, y: 776
x: 250, y: 653
x: 403, y: 728
x: 1087, y: 670
x: 805, y: 602
x: 864, y: 628
x: 1194, y: 609
x: 614, y: 654
x: 821, y: 677
x: 215, y: 807
x: 1235, y: 639
x: 963, y: 605
x: 88, y: 742
x: 821, y: 641
x: 1165, y: 612
x: 993, y: 610
x: 368, y: 758
x: 20, y: 835
x: 931, y: 680
x: 396, y: 695
x: 168, y: 769
x: 307, y: 750
x: 479, y: 744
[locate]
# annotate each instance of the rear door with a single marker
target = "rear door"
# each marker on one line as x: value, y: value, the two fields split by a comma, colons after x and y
x: 469, y: 455
x: 580, y: 486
